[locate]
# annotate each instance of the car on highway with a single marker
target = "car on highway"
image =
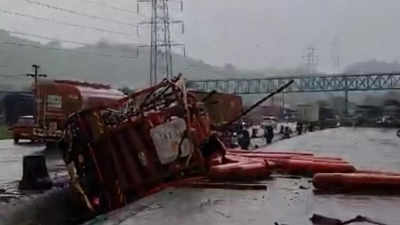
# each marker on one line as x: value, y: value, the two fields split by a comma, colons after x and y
x: 23, y: 129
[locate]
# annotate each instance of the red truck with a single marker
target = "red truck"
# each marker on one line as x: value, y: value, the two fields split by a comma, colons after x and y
x: 55, y: 100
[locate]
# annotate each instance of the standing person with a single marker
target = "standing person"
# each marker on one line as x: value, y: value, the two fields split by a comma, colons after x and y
x: 244, y: 137
x: 271, y: 133
x: 299, y: 128
x: 311, y: 127
x: 282, y: 129
x: 286, y: 133
x: 268, y: 134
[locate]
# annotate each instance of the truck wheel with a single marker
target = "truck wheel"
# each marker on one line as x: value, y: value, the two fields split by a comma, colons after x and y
x: 398, y: 133
x: 16, y: 140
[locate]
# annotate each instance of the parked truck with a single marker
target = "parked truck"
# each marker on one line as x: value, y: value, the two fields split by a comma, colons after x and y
x: 55, y: 100
x: 221, y: 107
x: 308, y: 112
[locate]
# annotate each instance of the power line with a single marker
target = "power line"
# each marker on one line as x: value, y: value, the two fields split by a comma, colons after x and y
x: 19, y: 44
x: 14, y: 92
x: 106, y: 5
x: 46, y: 37
x: 15, y: 76
x: 70, y: 11
x: 98, y: 29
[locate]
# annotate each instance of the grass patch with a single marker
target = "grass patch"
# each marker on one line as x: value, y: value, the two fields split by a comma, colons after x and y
x: 4, y: 132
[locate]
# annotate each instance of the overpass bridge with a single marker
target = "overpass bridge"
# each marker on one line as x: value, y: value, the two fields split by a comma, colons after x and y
x: 302, y: 84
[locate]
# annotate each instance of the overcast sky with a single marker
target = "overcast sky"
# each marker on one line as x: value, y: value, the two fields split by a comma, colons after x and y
x: 250, y: 34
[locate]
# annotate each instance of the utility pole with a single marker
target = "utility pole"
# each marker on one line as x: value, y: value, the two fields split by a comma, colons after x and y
x: 35, y: 76
x: 161, y: 62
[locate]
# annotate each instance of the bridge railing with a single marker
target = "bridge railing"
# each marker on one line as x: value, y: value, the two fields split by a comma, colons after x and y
x: 321, y: 83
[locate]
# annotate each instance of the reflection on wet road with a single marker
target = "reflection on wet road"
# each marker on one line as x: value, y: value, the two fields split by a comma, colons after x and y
x: 11, y: 162
x: 11, y: 159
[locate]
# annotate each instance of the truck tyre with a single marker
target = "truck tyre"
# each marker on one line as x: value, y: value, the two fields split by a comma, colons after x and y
x: 398, y: 133
x: 16, y: 140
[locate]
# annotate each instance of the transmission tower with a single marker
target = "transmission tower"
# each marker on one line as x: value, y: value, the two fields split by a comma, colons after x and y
x: 161, y: 61
x: 311, y: 60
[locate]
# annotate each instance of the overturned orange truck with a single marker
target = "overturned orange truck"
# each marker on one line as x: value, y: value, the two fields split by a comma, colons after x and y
x: 55, y: 100
x: 158, y: 137
x: 118, y: 152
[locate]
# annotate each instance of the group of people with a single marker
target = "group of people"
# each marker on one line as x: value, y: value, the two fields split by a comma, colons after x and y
x: 242, y: 136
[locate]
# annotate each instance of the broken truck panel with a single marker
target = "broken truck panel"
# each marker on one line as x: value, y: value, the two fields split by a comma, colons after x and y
x: 118, y: 153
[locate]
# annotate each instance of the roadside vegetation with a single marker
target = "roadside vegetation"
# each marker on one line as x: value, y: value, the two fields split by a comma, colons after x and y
x: 4, y: 132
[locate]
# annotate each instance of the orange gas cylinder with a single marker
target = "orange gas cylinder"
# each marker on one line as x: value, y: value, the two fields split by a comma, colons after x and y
x: 269, y: 152
x: 239, y: 171
x: 319, y: 158
x: 252, y: 171
x: 332, y: 167
x: 229, y: 158
x: 223, y: 171
x: 306, y: 167
x: 257, y: 155
x: 356, y: 182
x: 378, y: 172
x: 299, y: 166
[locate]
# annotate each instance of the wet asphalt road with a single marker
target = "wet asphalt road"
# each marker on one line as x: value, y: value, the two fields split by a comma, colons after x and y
x: 11, y: 157
x: 366, y: 148
x: 287, y: 201
x: 284, y: 202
